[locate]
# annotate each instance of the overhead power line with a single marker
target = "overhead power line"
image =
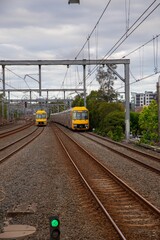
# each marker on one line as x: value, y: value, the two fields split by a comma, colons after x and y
x: 94, y: 28
x: 124, y: 36
x: 19, y: 77
x: 129, y: 31
x: 139, y: 79
x: 87, y: 41
x: 141, y: 46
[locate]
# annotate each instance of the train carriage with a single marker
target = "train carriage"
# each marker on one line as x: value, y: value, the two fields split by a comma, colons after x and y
x: 76, y: 118
x: 41, y: 118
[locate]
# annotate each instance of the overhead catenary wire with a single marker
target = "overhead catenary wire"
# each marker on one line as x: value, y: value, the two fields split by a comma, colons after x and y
x: 119, y: 42
x: 151, y: 40
x: 65, y: 77
x: 19, y: 77
x: 155, y: 52
x: 139, y: 79
x: 127, y: 14
x: 89, y: 36
x: 23, y: 78
x: 107, y: 5
x: 128, y: 32
x: 113, y: 50
x: 124, y: 37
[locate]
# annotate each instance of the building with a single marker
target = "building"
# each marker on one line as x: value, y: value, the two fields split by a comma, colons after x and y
x: 143, y: 99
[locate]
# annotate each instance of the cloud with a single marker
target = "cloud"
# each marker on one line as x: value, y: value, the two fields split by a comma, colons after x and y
x: 52, y: 29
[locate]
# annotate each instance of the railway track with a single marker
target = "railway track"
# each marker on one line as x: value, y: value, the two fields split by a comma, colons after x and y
x: 11, y: 148
x: 139, y: 157
x: 15, y: 130
x: 132, y: 216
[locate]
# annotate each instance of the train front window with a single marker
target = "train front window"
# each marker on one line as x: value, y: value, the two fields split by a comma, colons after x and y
x: 41, y: 116
x: 80, y: 115
x: 85, y: 115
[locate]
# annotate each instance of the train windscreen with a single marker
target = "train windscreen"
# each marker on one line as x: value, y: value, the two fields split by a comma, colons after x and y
x: 80, y: 115
x: 41, y: 116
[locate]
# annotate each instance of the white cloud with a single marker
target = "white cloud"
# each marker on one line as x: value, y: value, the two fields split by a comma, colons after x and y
x: 47, y: 29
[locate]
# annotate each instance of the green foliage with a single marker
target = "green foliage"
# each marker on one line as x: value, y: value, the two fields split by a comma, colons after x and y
x: 148, y: 121
x: 113, y: 125
x: 105, y: 108
x: 117, y: 134
x: 134, y: 123
x: 99, y: 108
x: 78, y: 101
x: 108, y: 118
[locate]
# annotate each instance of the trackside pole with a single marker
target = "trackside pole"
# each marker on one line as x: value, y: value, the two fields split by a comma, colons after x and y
x: 127, y: 98
x: 84, y: 83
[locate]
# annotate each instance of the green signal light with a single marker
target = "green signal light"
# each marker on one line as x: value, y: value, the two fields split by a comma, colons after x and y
x: 54, y: 223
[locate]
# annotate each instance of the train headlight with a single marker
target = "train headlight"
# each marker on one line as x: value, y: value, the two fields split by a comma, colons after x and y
x: 75, y: 125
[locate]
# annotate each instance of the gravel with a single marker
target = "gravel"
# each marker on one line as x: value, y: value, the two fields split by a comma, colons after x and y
x: 38, y: 175
x: 142, y: 180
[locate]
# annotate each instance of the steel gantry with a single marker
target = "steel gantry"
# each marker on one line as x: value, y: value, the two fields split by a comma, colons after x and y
x: 83, y: 62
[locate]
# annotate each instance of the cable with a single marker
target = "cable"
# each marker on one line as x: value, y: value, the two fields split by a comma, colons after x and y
x: 114, y: 48
x: 63, y: 80
x: 155, y: 53
x: 91, y: 33
x: 123, y: 37
x: 127, y: 13
x: 110, y: 52
x: 140, y: 79
x: 93, y: 28
x: 19, y: 77
x: 140, y: 47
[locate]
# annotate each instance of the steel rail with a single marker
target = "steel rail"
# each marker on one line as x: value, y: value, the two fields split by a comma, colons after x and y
x: 11, y: 144
x: 155, y: 158
x: 10, y: 132
x: 19, y: 148
x: 94, y: 195
x: 117, y: 179
x: 153, y: 169
x: 151, y: 206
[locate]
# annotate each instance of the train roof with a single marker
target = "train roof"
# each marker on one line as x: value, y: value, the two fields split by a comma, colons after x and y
x: 82, y: 108
x: 79, y: 108
x: 40, y: 111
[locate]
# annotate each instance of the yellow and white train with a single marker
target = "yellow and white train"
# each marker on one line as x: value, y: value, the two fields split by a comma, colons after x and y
x: 41, y: 118
x: 76, y: 118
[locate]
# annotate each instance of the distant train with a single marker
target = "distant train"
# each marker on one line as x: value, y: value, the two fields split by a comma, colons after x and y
x: 41, y: 118
x: 76, y: 118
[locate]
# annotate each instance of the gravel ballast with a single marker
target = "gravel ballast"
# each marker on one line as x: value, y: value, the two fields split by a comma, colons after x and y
x: 38, y: 175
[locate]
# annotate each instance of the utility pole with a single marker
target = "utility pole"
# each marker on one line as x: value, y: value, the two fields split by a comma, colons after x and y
x: 84, y: 83
x: 158, y: 102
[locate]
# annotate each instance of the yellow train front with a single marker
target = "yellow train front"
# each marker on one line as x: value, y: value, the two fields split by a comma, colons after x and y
x: 80, y: 118
x: 41, y: 118
x: 76, y: 118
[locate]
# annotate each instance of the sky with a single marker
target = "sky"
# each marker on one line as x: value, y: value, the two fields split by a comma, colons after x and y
x: 56, y: 30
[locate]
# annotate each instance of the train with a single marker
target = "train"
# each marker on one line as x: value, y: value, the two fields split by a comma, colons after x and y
x: 41, y: 118
x: 76, y: 118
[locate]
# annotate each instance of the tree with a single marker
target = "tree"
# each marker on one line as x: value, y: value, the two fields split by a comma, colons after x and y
x: 114, y: 125
x: 93, y: 103
x: 148, y: 121
x: 134, y: 123
x: 106, y: 81
x: 78, y: 100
